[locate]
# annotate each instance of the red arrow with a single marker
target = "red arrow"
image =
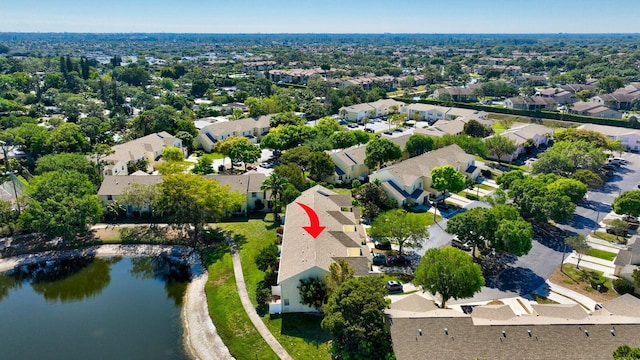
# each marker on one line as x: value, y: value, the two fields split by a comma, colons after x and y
x: 314, y: 229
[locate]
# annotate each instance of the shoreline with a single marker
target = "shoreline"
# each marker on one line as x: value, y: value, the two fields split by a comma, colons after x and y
x: 200, y: 338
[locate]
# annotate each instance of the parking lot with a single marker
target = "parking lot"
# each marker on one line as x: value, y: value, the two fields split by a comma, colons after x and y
x: 379, y: 125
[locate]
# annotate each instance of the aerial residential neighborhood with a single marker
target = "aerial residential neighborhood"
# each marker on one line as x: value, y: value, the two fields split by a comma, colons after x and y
x: 319, y: 183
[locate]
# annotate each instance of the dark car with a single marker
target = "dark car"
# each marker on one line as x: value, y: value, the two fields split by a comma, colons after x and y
x: 352, y: 125
x: 622, y: 232
x: 393, y: 286
x: 369, y: 130
x: 443, y: 206
x: 609, y: 167
x: 388, y: 133
x: 382, y: 244
x: 398, y: 260
x: 379, y: 259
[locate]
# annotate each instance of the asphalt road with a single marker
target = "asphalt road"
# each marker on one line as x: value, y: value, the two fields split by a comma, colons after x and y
x: 529, y: 272
x: 590, y: 212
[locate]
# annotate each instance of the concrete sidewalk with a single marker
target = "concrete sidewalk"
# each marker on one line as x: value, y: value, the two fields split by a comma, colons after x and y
x: 590, y: 262
x: 588, y: 303
x: 248, y: 306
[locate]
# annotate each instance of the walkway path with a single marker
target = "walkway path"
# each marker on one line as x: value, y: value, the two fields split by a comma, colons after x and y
x: 248, y: 306
x: 577, y: 297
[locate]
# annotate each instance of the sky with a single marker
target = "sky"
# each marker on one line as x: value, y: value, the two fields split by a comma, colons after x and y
x: 323, y: 16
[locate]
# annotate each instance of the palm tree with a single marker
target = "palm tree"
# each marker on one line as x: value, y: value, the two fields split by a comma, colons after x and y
x: 275, y: 183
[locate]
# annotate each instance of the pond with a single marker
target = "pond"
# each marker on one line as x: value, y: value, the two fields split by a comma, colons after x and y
x: 93, y: 308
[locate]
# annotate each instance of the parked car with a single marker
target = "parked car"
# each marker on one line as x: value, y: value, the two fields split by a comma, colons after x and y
x: 381, y: 244
x: 461, y: 245
x: 388, y: 133
x: 352, y: 125
x: 369, y: 130
x: 612, y: 230
x: 441, y: 205
x: 609, y: 167
x: 398, y: 260
x: 393, y: 286
x: 379, y: 259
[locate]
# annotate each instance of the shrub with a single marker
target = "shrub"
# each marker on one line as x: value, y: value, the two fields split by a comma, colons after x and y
x: 597, y: 282
x: 355, y: 184
x: 623, y: 286
x: 486, y: 173
x: 267, y: 258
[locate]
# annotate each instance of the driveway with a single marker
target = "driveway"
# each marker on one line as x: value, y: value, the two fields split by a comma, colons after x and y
x: 590, y: 212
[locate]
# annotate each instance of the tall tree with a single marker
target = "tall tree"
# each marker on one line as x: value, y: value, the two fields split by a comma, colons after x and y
x: 418, y: 145
x: 339, y: 272
x: 313, y: 292
x: 275, y: 184
x: 244, y: 151
x: 446, y: 178
x: 61, y: 203
x: 514, y: 237
x: 401, y: 227
x: 141, y: 197
x: 190, y: 201
x: 293, y: 174
x: 372, y: 198
x: 320, y: 166
x: 627, y: 203
x: 500, y: 146
x: 449, y: 272
x: 474, y: 128
x: 354, y: 316
x: 379, y: 151
x: 579, y: 245
x: 68, y: 161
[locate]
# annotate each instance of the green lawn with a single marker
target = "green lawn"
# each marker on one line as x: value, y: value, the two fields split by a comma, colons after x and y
x: 605, y: 255
x: 300, y: 335
x: 543, y: 300
x: 608, y: 237
x: 226, y: 311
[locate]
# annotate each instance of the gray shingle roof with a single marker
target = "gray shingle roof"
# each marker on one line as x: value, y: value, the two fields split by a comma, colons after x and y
x: 301, y: 252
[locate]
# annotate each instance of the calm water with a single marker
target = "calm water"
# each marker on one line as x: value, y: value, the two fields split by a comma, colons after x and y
x: 102, y: 308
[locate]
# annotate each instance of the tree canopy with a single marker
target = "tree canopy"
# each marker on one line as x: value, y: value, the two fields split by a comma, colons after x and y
x: 627, y: 203
x: 446, y: 178
x: 320, y: 165
x: 449, y: 272
x: 354, y: 316
x: 380, y: 151
x: 500, y: 146
x: 402, y: 227
x: 190, y: 201
x: 61, y: 203
x: 418, y: 145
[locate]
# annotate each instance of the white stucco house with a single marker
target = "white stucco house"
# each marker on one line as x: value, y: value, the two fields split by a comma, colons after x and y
x: 304, y: 257
x: 409, y: 182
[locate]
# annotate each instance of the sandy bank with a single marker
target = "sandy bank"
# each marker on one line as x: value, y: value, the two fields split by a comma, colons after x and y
x: 201, y: 340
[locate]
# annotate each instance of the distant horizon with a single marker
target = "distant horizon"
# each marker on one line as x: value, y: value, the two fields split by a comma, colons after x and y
x: 330, y: 17
x: 311, y: 33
